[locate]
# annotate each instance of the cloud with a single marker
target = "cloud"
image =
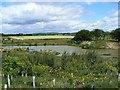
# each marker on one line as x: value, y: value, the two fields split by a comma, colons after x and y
x: 60, y: 0
x: 31, y: 13
x: 32, y: 16
x: 114, y: 13
x: 107, y: 23
x: 41, y: 18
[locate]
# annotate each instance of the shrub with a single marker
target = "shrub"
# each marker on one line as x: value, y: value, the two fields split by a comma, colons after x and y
x: 35, y: 44
x: 44, y: 44
x: 85, y: 46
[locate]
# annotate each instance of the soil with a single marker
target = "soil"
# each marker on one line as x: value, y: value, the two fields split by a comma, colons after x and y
x: 112, y: 45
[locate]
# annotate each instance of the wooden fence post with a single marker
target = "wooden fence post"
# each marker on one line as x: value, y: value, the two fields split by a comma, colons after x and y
x: 8, y: 78
x: 5, y: 87
x: 54, y: 81
x: 92, y: 85
x: 33, y: 81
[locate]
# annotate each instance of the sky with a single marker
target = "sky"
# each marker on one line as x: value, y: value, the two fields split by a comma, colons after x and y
x: 61, y: 17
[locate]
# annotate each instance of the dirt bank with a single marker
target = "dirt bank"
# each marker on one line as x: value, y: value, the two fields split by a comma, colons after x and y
x: 112, y: 45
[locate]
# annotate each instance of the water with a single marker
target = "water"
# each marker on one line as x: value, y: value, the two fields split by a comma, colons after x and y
x: 69, y: 49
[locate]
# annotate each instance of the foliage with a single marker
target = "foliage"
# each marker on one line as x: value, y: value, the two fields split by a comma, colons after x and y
x: 36, y: 42
x: 41, y: 70
x: 97, y: 33
x: 11, y: 65
x: 91, y: 56
x: 85, y: 46
x: 69, y: 70
x: 116, y: 34
x: 83, y: 35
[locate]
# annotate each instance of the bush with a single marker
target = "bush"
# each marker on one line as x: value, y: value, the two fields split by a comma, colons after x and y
x: 44, y: 44
x: 83, y: 35
x: 41, y: 70
x: 85, y: 46
x: 35, y: 44
x: 30, y: 44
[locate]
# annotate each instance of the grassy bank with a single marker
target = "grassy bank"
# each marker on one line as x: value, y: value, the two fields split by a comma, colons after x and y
x: 101, y: 44
x: 35, y: 40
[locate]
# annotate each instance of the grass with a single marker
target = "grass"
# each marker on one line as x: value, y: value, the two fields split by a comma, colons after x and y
x: 40, y: 37
x: 35, y: 42
x: 44, y: 65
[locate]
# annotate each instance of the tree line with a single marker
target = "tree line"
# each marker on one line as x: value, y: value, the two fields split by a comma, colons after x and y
x: 82, y: 35
x: 97, y: 34
x: 36, y: 34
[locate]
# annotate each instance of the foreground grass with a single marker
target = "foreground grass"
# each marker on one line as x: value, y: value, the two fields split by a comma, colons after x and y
x: 70, y: 71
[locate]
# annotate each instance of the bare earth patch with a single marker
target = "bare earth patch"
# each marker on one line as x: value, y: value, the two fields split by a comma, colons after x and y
x: 112, y: 45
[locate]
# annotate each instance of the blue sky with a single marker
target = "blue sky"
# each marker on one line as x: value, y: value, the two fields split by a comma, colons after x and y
x: 58, y: 17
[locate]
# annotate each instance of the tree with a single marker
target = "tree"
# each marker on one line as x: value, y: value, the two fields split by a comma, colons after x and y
x: 10, y: 65
x: 83, y: 35
x: 97, y: 33
x: 116, y: 34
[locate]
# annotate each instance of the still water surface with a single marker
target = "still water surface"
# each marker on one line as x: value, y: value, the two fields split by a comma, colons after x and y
x: 69, y: 49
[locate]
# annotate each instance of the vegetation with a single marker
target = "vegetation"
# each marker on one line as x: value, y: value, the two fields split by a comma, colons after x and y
x: 98, y: 34
x: 73, y: 71
x: 83, y: 35
x: 68, y: 70
x: 34, y: 42
x: 95, y: 36
x: 97, y: 39
x: 116, y: 34
x: 0, y: 73
x: 38, y: 34
x: 40, y: 37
